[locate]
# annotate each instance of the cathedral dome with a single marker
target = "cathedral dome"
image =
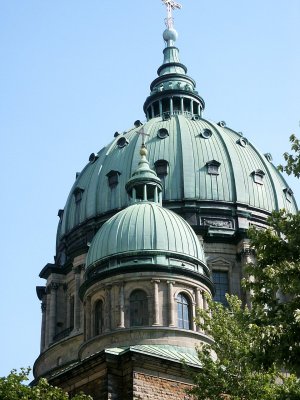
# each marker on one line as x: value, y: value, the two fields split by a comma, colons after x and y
x: 211, y: 175
x: 204, y: 162
x: 147, y: 233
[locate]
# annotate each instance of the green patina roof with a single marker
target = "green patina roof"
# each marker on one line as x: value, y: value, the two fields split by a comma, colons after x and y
x: 145, y: 227
x: 187, y: 153
x: 167, y: 352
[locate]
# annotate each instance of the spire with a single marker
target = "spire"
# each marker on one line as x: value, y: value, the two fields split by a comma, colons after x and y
x: 173, y: 92
x: 144, y: 184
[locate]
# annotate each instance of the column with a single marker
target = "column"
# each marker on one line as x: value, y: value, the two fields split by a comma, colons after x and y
x: 205, y: 305
x: 121, y: 306
x: 171, y: 106
x: 145, y: 193
x: 47, y: 336
x: 171, y: 303
x: 155, y: 302
x: 152, y: 111
x: 43, y: 331
x: 193, y: 316
x: 199, y: 109
x: 107, y: 309
x: 199, y: 303
x: 155, y: 195
x: 77, y: 271
x: 133, y: 195
x: 181, y: 105
x: 160, y: 108
x: 52, y: 312
x: 247, y: 257
x: 88, y: 319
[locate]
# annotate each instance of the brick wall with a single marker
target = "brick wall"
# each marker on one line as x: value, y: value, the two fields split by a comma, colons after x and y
x: 157, y: 388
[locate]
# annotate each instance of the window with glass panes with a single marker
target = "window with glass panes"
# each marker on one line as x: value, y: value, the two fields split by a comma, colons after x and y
x: 183, y: 311
x: 221, y: 282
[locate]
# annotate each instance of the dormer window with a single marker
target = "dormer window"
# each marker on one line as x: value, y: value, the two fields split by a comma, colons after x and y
x: 288, y: 194
x: 113, y: 178
x: 213, y: 167
x: 258, y: 176
x: 60, y: 214
x: 161, y: 168
x: 78, y: 197
x: 93, y: 157
x: 78, y: 194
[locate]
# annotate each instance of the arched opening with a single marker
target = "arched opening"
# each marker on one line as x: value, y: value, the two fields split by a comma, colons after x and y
x: 183, y: 311
x: 138, y: 308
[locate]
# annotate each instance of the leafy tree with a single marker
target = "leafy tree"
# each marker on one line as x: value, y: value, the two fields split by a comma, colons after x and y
x: 275, y: 289
x: 230, y: 367
x: 252, y: 347
x: 292, y: 160
x: 275, y: 280
x: 12, y: 388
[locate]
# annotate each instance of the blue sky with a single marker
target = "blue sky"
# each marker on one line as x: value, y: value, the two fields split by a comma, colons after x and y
x: 74, y: 72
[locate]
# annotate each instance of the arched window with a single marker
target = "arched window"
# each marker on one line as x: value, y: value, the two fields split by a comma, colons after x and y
x: 183, y: 307
x: 98, y: 317
x: 138, y: 308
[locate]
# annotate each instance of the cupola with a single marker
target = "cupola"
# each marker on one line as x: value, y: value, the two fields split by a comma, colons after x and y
x: 144, y: 185
x: 173, y: 92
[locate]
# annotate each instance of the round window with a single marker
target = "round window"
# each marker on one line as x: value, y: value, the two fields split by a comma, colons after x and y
x: 206, y: 133
x: 242, y: 142
x: 122, y: 142
x: 163, y: 133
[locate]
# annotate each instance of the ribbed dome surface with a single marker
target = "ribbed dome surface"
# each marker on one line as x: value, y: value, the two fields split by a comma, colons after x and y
x: 144, y: 227
x: 187, y: 153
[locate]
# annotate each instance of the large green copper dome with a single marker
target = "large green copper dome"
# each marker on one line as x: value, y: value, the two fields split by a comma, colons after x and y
x: 211, y: 175
x: 188, y: 148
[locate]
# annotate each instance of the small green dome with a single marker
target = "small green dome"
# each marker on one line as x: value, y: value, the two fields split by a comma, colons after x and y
x: 145, y: 228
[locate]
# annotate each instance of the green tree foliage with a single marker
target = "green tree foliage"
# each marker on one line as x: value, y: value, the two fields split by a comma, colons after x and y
x: 230, y: 368
x: 292, y: 166
x: 275, y: 287
x: 252, y: 347
x: 12, y: 387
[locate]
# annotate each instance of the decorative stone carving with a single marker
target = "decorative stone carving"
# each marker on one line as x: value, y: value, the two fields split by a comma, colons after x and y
x: 218, y: 223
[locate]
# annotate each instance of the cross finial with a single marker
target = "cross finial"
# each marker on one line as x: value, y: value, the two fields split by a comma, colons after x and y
x: 143, y: 134
x: 171, y: 5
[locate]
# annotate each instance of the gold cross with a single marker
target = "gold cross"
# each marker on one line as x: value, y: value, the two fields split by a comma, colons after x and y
x: 171, y: 5
x: 143, y: 134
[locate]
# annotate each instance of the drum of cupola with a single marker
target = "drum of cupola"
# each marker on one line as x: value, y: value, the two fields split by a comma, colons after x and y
x: 144, y: 184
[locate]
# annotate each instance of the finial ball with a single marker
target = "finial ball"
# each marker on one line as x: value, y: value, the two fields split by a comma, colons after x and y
x: 170, y: 34
x: 143, y: 151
